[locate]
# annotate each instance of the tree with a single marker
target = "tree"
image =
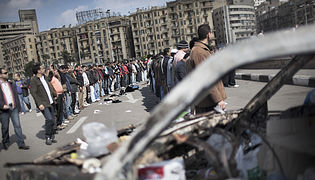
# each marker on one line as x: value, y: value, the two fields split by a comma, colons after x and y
x: 28, y: 69
x: 45, y: 57
x: 67, y: 57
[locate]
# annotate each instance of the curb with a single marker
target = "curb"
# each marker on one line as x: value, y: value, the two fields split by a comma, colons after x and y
x: 298, y: 80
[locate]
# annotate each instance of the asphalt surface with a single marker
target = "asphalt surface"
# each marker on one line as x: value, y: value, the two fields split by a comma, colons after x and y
x: 302, y: 72
x: 134, y: 109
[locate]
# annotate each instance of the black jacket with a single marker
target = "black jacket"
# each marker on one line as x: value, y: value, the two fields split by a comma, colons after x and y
x: 180, y: 71
x: 79, y: 78
x: 91, y: 78
x: 25, y: 86
x: 15, y: 98
x: 73, y: 82
x: 39, y: 93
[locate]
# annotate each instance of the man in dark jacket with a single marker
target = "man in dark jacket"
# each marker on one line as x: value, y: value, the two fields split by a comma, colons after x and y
x: 92, y: 81
x: 22, y: 90
x: 79, y: 77
x: 9, y: 108
x: 180, y: 69
x: 96, y: 85
x: 74, y: 87
x: 43, y: 94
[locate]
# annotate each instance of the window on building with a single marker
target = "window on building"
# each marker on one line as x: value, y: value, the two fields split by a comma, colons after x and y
x: 179, y: 7
x: 29, y: 39
x: 144, y: 46
x: 57, y: 48
x: 196, y: 4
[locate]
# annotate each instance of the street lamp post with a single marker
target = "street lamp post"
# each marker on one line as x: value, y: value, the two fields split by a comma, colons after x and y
x: 110, y: 42
x: 225, y: 23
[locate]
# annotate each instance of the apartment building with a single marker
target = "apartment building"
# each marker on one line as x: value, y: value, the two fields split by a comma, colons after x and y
x: 150, y: 30
x: 9, y: 30
x: 53, y: 43
x: 105, y: 40
x: 285, y: 15
x: 233, y: 22
x: 160, y: 27
x: 18, y: 52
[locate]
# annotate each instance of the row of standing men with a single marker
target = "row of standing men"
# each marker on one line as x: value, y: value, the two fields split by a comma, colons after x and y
x: 61, y: 93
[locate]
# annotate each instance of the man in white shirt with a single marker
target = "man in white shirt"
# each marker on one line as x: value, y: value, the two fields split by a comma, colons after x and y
x: 86, y: 85
x: 9, y: 108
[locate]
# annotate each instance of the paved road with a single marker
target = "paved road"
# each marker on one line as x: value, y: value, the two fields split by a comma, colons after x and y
x: 133, y: 109
x: 305, y: 72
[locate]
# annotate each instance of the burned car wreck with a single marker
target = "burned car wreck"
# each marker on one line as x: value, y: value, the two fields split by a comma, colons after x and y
x: 211, y: 145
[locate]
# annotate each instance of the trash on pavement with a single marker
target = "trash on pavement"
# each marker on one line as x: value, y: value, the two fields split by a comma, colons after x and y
x: 165, y: 170
x: 97, y: 111
x: 98, y: 137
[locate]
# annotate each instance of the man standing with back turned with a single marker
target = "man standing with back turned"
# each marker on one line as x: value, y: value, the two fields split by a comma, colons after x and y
x: 42, y: 93
x: 200, y: 52
x: 9, y: 108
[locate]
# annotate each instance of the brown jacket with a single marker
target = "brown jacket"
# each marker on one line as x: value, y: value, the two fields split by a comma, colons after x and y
x: 199, y: 53
x: 39, y: 93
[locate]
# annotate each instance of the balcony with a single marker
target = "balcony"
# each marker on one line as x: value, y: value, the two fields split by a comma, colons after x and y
x: 208, y: 5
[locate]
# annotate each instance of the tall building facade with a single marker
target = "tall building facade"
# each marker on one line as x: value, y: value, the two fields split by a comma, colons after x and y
x: 9, y: 30
x: 163, y: 27
x: 105, y: 40
x: 150, y: 30
x: 272, y: 16
x: 18, y: 52
x: 233, y: 23
x: 53, y: 43
x: 29, y: 15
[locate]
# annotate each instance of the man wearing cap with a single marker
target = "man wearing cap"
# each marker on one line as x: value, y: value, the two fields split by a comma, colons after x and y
x: 183, y: 48
x: 200, y: 52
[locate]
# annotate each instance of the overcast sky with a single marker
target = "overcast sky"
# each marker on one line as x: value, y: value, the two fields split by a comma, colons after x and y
x: 56, y: 13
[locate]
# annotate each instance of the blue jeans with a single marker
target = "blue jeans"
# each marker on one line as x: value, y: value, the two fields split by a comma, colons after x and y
x: 5, y: 121
x: 68, y: 105
x: 27, y: 102
x: 102, y: 88
x: 161, y: 93
x: 97, y: 91
x: 21, y: 102
x: 117, y: 81
x: 49, y: 114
